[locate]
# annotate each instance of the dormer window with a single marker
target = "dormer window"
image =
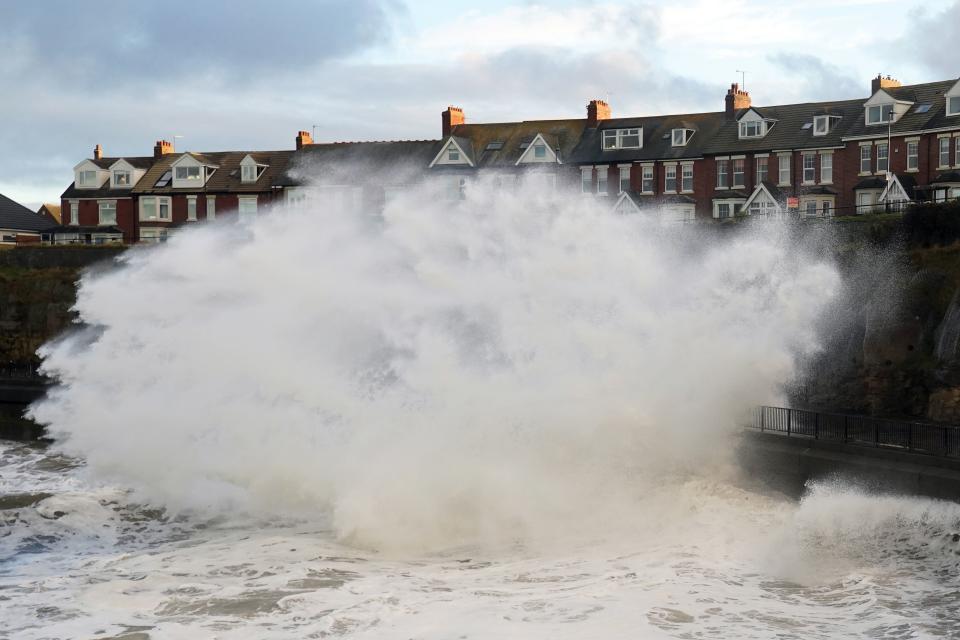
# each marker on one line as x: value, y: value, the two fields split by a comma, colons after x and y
x: 880, y: 114
x: 188, y: 173
x: 681, y: 137
x: 821, y: 125
x: 622, y: 139
x: 121, y: 178
x: 539, y: 151
x: 953, y: 106
x: 753, y: 129
x: 453, y: 154
x: 87, y: 179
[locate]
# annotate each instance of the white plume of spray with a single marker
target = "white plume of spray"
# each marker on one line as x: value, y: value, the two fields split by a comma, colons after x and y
x: 499, y: 369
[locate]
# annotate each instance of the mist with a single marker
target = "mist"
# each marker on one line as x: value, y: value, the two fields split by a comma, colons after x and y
x: 488, y: 370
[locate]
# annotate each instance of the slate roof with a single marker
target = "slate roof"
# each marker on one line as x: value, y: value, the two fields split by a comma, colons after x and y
x: 141, y: 162
x: 357, y: 163
x: 657, y: 140
x: 931, y: 93
x: 16, y: 217
x: 226, y: 179
x: 561, y: 135
x: 787, y: 130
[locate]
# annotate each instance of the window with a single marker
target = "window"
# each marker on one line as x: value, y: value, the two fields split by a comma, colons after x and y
x: 154, y: 208
x: 108, y: 213
x: 670, y: 178
x: 681, y: 137
x: 956, y: 152
x: 188, y: 173
x: 811, y: 208
x: 602, y: 175
x: 457, y: 188
x: 784, y: 167
x: 826, y: 168
x: 453, y: 154
x: 738, y: 171
x: 248, y: 173
x: 586, y: 179
x: 809, y: 168
x: 74, y: 212
x: 866, y: 158
x: 622, y: 139
x: 624, y: 179
x: 953, y: 106
x: 211, y: 207
x: 539, y: 151
x: 762, y: 168
x: 153, y: 235
x: 722, y: 169
x: 752, y: 129
x: 825, y: 208
x: 247, y: 209
x: 687, y: 175
x: 821, y: 125
x: 87, y: 179
x: 880, y: 114
x: 647, y: 179
x: 121, y: 178
x: 191, y: 208
x: 882, y: 158
x: 723, y: 210
x: 944, y: 152
x: 913, y: 156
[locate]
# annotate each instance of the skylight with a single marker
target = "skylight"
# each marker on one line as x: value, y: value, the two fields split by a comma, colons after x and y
x: 495, y: 145
x: 807, y: 126
x: 923, y: 108
x: 164, y: 179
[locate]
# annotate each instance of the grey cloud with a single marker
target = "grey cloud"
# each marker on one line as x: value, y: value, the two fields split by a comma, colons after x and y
x: 818, y: 79
x: 932, y: 39
x: 100, y: 43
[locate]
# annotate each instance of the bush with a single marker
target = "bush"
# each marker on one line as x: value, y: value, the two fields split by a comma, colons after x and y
x: 929, y: 224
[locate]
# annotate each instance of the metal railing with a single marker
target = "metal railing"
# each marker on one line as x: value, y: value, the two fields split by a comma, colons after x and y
x: 915, y: 437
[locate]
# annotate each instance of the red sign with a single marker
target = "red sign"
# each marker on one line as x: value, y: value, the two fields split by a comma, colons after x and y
x: 793, y: 203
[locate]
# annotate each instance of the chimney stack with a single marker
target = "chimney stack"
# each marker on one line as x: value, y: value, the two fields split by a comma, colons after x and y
x: 597, y: 110
x: 451, y: 118
x: 303, y: 138
x: 97, y: 152
x: 736, y: 99
x: 162, y: 148
x: 881, y: 82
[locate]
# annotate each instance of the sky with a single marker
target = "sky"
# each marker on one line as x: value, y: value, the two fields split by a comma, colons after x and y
x: 248, y: 76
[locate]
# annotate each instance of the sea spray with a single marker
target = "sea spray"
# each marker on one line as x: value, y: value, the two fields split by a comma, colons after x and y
x: 499, y: 368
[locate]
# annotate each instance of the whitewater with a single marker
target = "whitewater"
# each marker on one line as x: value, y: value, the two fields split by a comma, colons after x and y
x: 511, y: 416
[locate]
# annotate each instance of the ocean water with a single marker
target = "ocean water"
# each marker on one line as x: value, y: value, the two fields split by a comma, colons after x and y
x: 712, y: 561
x: 506, y: 417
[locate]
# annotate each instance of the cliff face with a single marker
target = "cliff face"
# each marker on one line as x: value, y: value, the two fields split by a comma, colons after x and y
x: 37, y: 291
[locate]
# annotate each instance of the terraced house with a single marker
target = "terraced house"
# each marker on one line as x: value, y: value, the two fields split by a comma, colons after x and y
x: 898, y: 145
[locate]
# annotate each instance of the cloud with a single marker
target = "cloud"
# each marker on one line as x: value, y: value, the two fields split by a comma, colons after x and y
x: 816, y: 79
x: 932, y: 38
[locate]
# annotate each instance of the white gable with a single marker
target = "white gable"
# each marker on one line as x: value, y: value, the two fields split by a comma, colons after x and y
x: 894, y: 192
x: 529, y: 156
x: 751, y: 116
x: 186, y: 160
x: 954, y: 90
x: 121, y: 165
x: 761, y: 196
x: 452, y: 154
x: 880, y: 97
x: 87, y: 165
x: 625, y: 204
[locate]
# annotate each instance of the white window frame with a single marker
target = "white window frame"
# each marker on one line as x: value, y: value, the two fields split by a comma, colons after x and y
x: 883, y: 157
x: 944, y: 152
x: 74, y: 212
x: 188, y: 171
x: 247, y: 208
x: 85, y: 181
x: 866, y: 159
x: 586, y: 180
x: 191, y: 208
x: 956, y: 150
x: 877, y: 110
x: 761, y: 162
x: 248, y: 173
x: 158, y: 203
x: 723, y: 170
x: 953, y: 105
x: 211, y: 207
x: 809, y: 168
x: 669, y: 174
x: 539, y: 150
x: 686, y: 177
x: 826, y: 168
x: 784, y: 169
x: 106, y: 204
x: 913, y: 155
x: 821, y: 125
x: 759, y: 128
x: 153, y: 235
x: 680, y: 137
x: 624, y: 177
x: 603, y: 177
x: 738, y: 178
x: 614, y: 138
x: 647, y: 178
x: 122, y: 172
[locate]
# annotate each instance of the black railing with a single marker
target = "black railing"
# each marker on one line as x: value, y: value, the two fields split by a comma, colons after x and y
x: 915, y: 437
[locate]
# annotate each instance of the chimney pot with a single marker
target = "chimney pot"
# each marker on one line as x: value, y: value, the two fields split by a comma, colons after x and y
x: 597, y: 110
x: 303, y: 138
x: 450, y: 118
